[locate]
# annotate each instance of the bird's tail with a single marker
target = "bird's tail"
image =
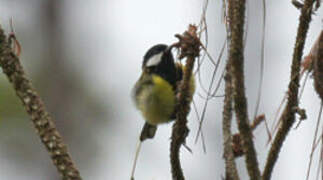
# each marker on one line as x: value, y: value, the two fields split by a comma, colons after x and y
x: 148, y: 132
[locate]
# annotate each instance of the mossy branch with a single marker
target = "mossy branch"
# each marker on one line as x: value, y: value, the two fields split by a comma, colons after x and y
x: 42, y: 121
x: 288, y: 116
x: 189, y: 46
x: 236, y: 9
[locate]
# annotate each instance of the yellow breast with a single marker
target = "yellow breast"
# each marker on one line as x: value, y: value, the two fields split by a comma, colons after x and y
x: 156, y: 101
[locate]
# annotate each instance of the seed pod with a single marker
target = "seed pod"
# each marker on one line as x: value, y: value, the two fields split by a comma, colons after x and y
x: 317, y: 55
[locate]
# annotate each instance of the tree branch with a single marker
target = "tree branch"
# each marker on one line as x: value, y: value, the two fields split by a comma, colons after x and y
x: 236, y: 18
x: 231, y: 172
x: 189, y: 46
x: 288, y: 116
x: 42, y: 121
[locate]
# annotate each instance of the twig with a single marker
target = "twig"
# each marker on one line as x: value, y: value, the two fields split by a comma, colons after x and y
x: 42, y: 121
x: 288, y: 116
x: 236, y: 17
x: 320, y: 166
x: 313, y: 143
x: 189, y: 46
x: 198, y: 120
x: 262, y: 60
x: 236, y: 138
x: 231, y: 172
x: 209, y: 95
x: 257, y: 121
x: 318, y: 65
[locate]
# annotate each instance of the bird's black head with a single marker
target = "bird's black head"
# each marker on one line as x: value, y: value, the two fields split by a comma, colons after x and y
x: 159, y: 60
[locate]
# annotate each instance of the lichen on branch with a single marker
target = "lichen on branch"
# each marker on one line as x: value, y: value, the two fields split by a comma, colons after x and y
x: 288, y: 116
x: 34, y: 106
x: 231, y: 172
x: 189, y: 46
x: 236, y: 12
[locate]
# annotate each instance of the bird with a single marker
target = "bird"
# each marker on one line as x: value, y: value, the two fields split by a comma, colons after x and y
x: 154, y: 93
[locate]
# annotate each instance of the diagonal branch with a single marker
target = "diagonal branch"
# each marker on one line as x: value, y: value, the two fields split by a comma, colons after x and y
x: 42, y: 121
x: 288, y: 116
x: 236, y: 9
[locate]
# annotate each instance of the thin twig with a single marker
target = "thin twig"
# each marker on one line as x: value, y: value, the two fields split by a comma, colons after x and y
x: 262, y: 59
x: 132, y: 177
x: 313, y: 143
x: 198, y: 120
x: 33, y: 104
x: 189, y: 46
x: 288, y: 116
x: 236, y: 13
x: 257, y: 121
x: 209, y: 90
x: 319, y: 167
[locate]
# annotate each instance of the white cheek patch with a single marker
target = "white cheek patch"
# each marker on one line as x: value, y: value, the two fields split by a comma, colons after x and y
x: 154, y: 60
